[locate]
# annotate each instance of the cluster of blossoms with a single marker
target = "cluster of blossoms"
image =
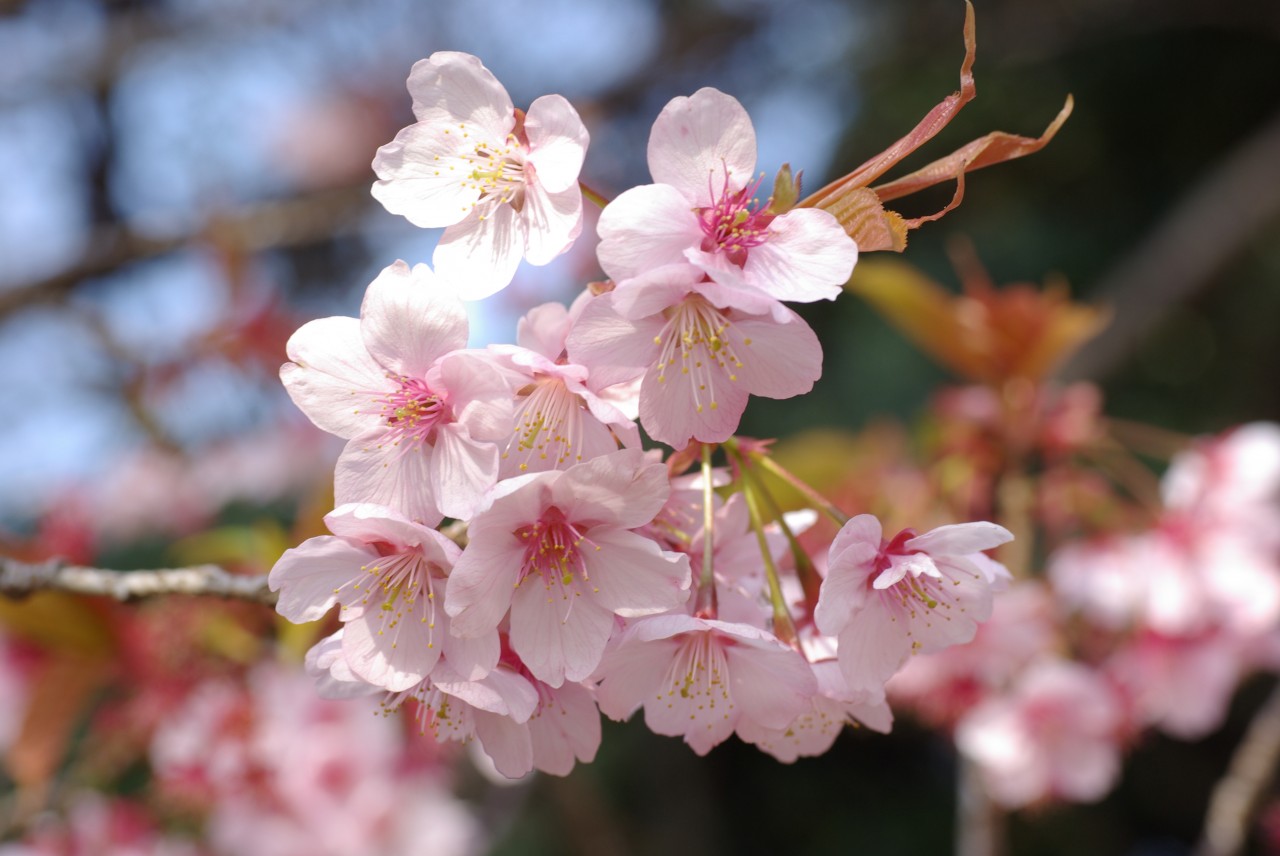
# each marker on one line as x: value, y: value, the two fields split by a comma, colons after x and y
x: 1149, y: 629
x: 593, y: 576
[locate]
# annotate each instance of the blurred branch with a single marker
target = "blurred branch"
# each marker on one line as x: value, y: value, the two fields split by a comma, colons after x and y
x: 19, y: 579
x: 979, y: 822
x: 283, y: 223
x: 1218, y: 218
x: 1237, y: 794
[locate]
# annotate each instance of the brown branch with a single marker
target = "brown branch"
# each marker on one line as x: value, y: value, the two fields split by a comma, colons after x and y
x: 19, y: 579
x: 1237, y: 794
x: 280, y: 223
x: 1219, y: 217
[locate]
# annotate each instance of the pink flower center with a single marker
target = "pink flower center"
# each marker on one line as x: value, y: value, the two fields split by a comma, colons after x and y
x: 735, y: 222
x: 896, y: 546
x: 413, y: 411
x: 553, y: 549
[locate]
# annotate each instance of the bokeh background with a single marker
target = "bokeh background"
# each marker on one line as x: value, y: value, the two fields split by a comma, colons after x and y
x: 184, y: 183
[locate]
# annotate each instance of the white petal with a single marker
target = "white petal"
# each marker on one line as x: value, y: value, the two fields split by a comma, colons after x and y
x: 644, y: 228
x: 552, y: 221
x: 557, y: 141
x: 333, y: 379
x: 408, y: 319
x: 699, y: 140
x: 479, y: 255
x: 452, y: 87
x: 424, y: 176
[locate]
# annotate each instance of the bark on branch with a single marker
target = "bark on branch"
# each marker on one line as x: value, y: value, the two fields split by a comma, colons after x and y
x: 19, y: 579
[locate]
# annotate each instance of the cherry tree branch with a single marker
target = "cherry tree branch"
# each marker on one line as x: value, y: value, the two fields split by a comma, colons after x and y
x: 305, y: 219
x: 1237, y: 794
x: 19, y: 579
x: 1235, y: 202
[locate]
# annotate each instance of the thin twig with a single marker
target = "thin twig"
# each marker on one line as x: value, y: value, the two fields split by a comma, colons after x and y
x: 275, y: 224
x: 1226, y: 210
x: 19, y: 579
x: 1237, y: 794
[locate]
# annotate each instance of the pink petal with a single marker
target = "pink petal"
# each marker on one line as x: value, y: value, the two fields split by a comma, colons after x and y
x: 508, y: 744
x: 543, y: 329
x: 862, y: 533
x: 696, y: 140
x: 502, y: 691
x: 959, y: 539
x: 479, y: 394
x: 462, y: 470
x: 807, y: 256
x: 632, y: 672
x: 620, y: 489
x: 480, y: 586
x: 308, y: 576
x: 615, y: 350
x: 409, y: 319
x: 558, y: 640
x: 633, y: 576
x: 566, y: 728
x: 479, y: 255
x: 675, y: 407
x: 396, y: 476
x: 471, y: 658
x: 325, y: 664
x: 694, y: 700
x: 332, y: 378
x: 772, y: 684
x: 369, y: 523
x: 396, y: 659
x: 781, y: 361
x: 656, y: 290
x: 872, y: 647
x: 644, y: 228
x: 557, y: 141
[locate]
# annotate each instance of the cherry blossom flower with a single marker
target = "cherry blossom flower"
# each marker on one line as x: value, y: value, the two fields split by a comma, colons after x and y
x: 700, y: 348
x: 702, y: 679
x: 1056, y: 735
x: 389, y: 575
x: 284, y: 772
x: 502, y: 182
x: 559, y: 419
x: 889, y: 599
x: 554, y: 548
x: 423, y: 418
x: 703, y: 210
x: 1232, y: 479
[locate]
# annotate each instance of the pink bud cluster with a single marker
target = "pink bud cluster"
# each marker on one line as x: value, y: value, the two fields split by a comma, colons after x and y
x: 593, y: 576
